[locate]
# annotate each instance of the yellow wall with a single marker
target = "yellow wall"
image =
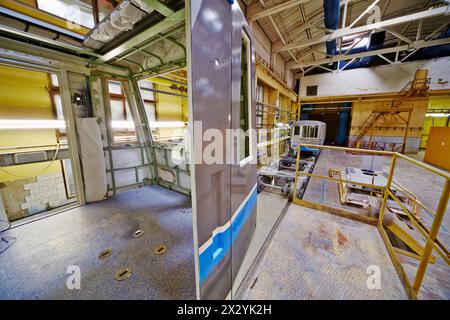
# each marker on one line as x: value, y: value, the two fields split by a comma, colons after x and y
x: 23, y: 95
x: 170, y: 108
x: 362, y: 110
x: 442, y: 102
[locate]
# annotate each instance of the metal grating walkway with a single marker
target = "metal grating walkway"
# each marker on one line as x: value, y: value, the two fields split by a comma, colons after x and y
x: 316, y: 255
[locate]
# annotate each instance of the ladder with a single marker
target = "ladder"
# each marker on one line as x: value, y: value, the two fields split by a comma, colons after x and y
x: 374, y: 117
x: 417, y: 87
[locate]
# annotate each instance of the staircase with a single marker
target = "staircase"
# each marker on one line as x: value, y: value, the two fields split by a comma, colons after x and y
x: 416, y: 88
x: 371, y: 120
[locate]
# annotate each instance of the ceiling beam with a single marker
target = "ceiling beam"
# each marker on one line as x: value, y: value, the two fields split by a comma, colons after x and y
x: 415, y: 45
x: 158, y: 6
x: 399, y: 36
x: 48, y: 41
x: 339, y: 33
x: 257, y: 11
x: 164, y: 25
x: 314, y: 19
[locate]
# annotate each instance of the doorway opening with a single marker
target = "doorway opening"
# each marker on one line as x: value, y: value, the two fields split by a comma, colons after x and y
x: 337, y: 118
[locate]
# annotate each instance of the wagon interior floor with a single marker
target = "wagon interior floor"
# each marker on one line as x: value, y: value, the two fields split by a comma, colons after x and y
x: 35, y: 266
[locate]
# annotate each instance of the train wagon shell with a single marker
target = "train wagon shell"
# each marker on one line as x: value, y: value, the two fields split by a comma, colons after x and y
x: 308, y: 131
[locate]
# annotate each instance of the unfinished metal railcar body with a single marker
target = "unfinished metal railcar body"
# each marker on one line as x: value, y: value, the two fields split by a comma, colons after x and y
x: 224, y: 195
x: 208, y: 38
x: 308, y: 131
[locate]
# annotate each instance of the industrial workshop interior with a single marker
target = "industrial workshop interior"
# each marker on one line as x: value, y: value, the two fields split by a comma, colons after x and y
x: 224, y: 149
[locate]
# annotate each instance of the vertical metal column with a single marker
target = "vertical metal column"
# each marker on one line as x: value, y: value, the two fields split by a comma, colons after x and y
x: 109, y: 136
x: 440, y: 212
x: 71, y: 134
x: 146, y: 130
x: 388, y: 186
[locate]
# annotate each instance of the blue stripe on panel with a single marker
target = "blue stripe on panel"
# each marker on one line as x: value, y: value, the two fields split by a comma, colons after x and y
x: 220, y: 245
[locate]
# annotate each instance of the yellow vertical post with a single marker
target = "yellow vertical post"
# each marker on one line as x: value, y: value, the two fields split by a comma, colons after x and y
x: 299, y: 148
x: 388, y: 186
x: 443, y: 201
x: 405, y: 136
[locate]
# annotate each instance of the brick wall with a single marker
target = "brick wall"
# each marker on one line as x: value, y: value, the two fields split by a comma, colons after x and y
x: 29, y: 196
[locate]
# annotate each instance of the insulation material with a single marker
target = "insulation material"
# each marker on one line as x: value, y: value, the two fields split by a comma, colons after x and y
x: 167, y: 50
x: 122, y: 19
x: 92, y: 159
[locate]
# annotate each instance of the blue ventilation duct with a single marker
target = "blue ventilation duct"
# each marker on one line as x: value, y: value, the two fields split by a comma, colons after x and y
x: 332, y: 16
x: 332, y: 12
x: 435, y: 51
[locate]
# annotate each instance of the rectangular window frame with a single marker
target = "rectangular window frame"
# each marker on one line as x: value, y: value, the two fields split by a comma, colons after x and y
x: 123, y: 98
x: 250, y: 157
x: 63, y: 17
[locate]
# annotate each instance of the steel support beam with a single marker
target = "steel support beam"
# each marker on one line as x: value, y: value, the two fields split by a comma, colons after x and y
x: 415, y: 45
x: 51, y: 42
x: 162, y: 26
x: 262, y: 12
x: 158, y: 6
x: 368, y: 9
x: 399, y: 36
x: 374, y: 26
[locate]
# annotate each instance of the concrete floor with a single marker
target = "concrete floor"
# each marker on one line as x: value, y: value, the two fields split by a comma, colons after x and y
x: 327, y: 192
x: 270, y: 205
x: 34, y: 267
x: 316, y: 255
x: 427, y: 188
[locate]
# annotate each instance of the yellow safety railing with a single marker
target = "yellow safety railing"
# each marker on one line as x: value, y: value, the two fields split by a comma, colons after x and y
x: 430, y: 235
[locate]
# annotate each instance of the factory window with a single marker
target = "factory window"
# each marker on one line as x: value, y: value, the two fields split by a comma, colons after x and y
x: 148, y: 98
x: 311, y: 90
x: 245, y: 98
x: 76, y: 12
x: 122, y: 124
x: 260, y: 92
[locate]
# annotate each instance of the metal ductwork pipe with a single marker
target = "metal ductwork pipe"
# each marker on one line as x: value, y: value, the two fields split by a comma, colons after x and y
x: 332, y: 13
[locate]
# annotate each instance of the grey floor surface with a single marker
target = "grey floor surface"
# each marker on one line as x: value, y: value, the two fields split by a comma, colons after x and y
x: 316, y: 255
x: 35, y: 266
x: 426, y: 186
x: 270, y: 205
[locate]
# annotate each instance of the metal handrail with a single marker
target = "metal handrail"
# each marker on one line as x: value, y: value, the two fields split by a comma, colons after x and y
x: 419, y: 227
x: 432, y: 243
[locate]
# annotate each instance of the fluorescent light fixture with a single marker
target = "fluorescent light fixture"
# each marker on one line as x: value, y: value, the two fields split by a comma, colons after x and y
x: 438, y: 115
x: 167, y: 124
x: 156, y: 124
x: 122, y: 124
x: 280, y: 124
x: 32, y: 124
x: 60, y: 124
